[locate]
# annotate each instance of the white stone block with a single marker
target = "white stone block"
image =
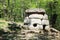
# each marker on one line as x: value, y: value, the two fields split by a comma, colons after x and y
x: 45, y: 16
x: 45, y: 22
x: 31, y: 27
x: 36, y: 16
x: 26, y: 20
x: 47, y: 27
x: 38, y: 21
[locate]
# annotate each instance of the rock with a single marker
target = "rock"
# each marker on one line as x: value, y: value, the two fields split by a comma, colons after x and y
x: 36, y: 16
x: 35, y: 10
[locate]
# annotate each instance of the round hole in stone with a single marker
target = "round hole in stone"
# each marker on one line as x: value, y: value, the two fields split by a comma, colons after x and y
x: 35, y: 24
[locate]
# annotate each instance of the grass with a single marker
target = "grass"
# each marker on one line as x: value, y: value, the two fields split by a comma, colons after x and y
x: 4, y: 23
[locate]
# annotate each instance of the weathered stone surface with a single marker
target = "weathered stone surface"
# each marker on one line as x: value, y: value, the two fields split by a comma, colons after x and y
x: 37, y: 34
x: 35, y: 10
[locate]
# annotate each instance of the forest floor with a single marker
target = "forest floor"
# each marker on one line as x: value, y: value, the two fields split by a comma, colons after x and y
x: 4, y: 23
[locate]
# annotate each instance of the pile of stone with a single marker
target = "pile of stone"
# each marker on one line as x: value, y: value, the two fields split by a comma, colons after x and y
x: 37, y: 19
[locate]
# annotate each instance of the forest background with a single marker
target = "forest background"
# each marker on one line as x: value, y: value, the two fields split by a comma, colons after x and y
x: 14, y: 10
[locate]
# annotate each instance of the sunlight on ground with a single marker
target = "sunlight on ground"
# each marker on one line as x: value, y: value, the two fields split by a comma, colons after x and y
x: 4, y: 24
